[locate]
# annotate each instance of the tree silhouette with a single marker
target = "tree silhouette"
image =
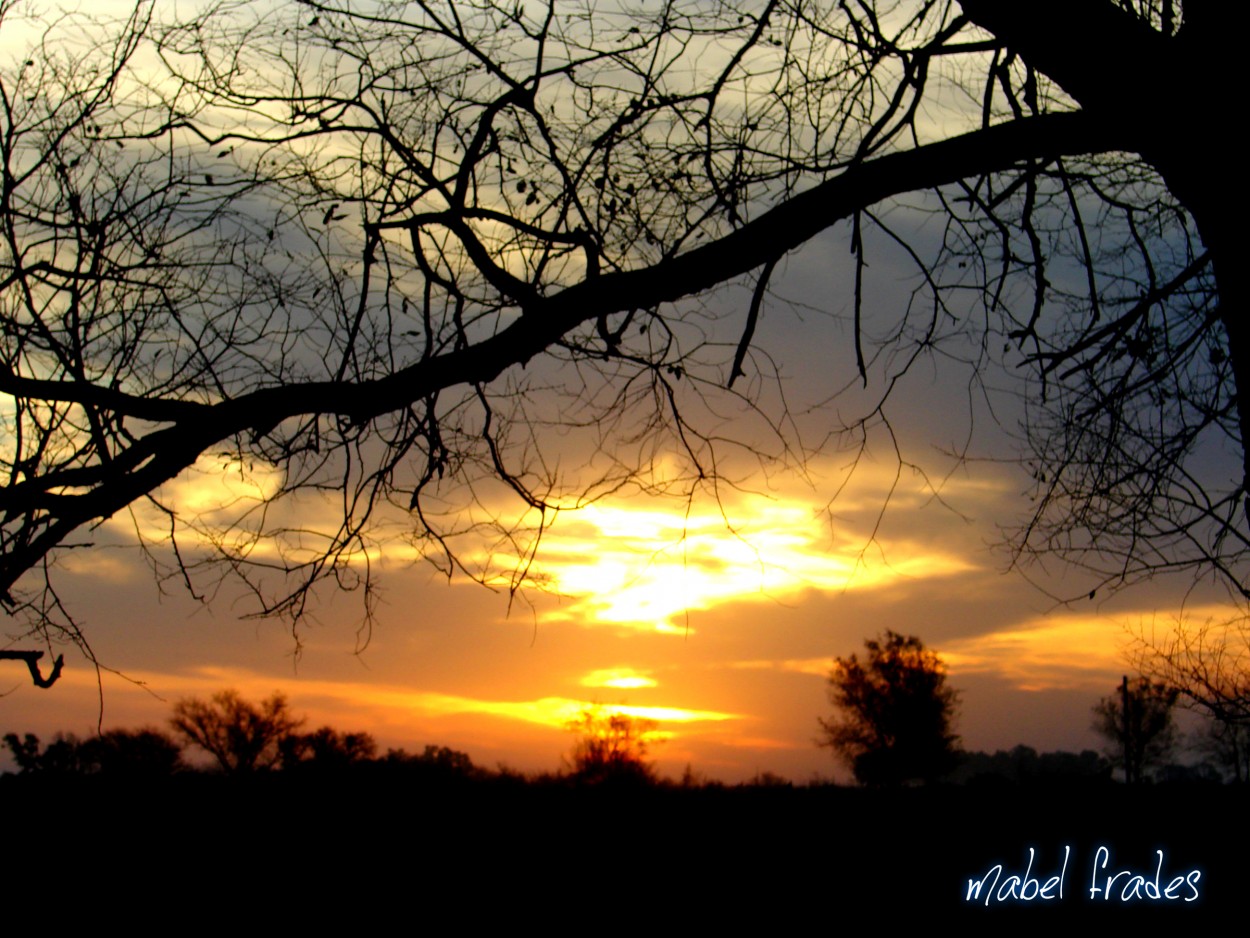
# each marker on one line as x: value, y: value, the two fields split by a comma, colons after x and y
x: 1228, y: 745
x: 1137, y: 723
x: 612, y: 748
x: 895, y: 713
x: 133, y: 754
x: 1208, y: 664
x: 241, y: 736
x: 62, y: 756
x: 381, y: 249
x: 128, y: 754
x: 325, y: 749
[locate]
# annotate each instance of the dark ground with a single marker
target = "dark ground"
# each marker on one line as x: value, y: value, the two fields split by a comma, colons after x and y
x: 406, y: 854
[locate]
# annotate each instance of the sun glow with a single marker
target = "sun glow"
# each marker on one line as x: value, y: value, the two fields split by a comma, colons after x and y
x: 619, y: 678
x: 645, y: 569
x: 556, y: 711
x: 403, y: 703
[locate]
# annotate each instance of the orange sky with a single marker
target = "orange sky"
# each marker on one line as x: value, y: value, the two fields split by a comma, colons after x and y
x: 718, y: 615
x: 717, y: 619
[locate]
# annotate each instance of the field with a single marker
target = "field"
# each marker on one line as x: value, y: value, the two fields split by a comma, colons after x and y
x: 413, y: 854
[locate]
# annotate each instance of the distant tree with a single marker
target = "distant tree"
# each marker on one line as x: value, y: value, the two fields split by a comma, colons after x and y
x: 25, y: 750
x: 1025, y: 765
x: 895, y: 713
x: 143, y: 753
x: 448, y: 760
x: 436, y: 764
x: 612, y: 747
x: 1137, y: 723
x: 241, y: 736
x: 692, y: 779
x: 130, y: 753
x: 326, y: 748
x: 768, y: 779
x: 1227, y: 745
x: 61, y: 757
x: 1208, y: 663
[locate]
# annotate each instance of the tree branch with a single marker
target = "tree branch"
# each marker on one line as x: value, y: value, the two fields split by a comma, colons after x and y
x: 162, y: 454
x: 32, y: 662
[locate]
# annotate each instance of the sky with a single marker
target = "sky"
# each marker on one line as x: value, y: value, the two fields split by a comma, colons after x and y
x: 718, y: 615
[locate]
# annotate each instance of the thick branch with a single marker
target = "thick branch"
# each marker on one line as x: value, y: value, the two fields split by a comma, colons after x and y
x: 1106, y: 58
x: 32, y: 662
x: 93, y: 395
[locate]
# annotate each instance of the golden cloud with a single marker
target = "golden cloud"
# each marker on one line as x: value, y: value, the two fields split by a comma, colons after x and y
x: 643, y: 569
x: 818, y: 667
x: 625, y: 563
x: 1062, y: 652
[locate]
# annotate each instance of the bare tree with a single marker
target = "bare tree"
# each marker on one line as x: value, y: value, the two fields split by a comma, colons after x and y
x: 383, y: 249
x: 243, y: 737
x: 1208, y: 665
x: 1137, y: 723
x: 612, y: 748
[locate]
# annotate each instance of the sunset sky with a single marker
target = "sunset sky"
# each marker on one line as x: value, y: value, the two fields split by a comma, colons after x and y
x: 718, y: 615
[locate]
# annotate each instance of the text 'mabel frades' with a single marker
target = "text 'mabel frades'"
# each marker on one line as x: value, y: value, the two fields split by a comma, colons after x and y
x: 1106, y: 883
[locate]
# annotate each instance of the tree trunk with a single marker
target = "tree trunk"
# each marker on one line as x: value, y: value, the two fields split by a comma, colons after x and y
x: 1163, y: 93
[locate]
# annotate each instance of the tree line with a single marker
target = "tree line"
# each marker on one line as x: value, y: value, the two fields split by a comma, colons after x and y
x: 240, y: 737
x: 893, y: 725
x: 246, y: 739
x: 895, y: 716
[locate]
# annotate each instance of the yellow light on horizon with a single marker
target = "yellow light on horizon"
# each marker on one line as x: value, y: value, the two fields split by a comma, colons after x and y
x: 555, y: 712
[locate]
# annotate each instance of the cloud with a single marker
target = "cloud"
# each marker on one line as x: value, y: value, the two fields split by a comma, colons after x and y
x: 761, y: 742
x: 818, y: 667
x: 621, y: 678
x: 633, y: 566
x: 629, y: 563
x: 1060, y: 652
